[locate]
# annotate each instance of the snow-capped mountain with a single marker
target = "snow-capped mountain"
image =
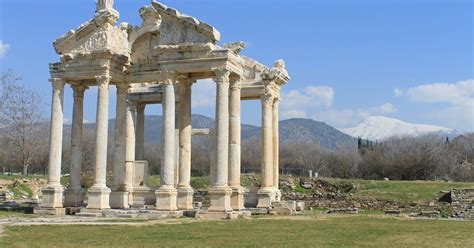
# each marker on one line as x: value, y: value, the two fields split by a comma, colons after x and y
x: 380, y: 127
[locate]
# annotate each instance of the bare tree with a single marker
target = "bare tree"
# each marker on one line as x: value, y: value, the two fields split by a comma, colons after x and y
x: 23, y: 122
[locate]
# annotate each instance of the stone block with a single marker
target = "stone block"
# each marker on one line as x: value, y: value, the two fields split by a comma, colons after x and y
x: 119, y: 199
x: 166, y: 199
x: 98, y: 198
x: 52, y: 197
x: 140, y: 173
x: 185, y: 198
x: 220, y: 200
x: 237, y: 199
x: 73, y: 198
x: 50, y: 211
x: 140, y: 195
x: 265, y: 197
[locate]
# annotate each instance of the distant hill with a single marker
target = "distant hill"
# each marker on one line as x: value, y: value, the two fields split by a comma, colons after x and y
x: 291, y: 130
x: 380, y: 128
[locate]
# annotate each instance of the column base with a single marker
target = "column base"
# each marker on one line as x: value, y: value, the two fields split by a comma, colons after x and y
x: 166, y: 199
x: 220, y: 199
x: 185, y: 198
x: 277, y: 195
x: 98, y: 198
x: 265, y: 197
x: 237, y: 199
x: 139, y: 197
x: 52, y: 197
x: 119, y: 199
x: 73, y: 197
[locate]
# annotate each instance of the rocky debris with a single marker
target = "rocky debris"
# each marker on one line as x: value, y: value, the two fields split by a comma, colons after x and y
x: 300, y: 206
x: 461, y: 203
x: 392, y: 211
x: 343, y: 211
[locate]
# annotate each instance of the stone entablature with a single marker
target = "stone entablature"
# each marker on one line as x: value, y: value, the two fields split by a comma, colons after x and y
x: 157, y: 63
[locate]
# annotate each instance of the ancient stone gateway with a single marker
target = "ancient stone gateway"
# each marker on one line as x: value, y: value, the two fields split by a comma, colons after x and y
x: 158, y: 62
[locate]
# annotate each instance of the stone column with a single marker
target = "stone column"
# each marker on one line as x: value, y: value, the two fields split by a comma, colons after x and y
x: 140, y: 133
x: 166, y: 194
x: 266, y: 192
x: 220, y: 191
x: 176, y: 139
x: 276, y: 151
x: 130, y: 155
x: 53, y: 192
x: 119, y: 195
x: 185, y: 192
x: 99, y: 193
x: 73, y: 194
x: 237, y: 197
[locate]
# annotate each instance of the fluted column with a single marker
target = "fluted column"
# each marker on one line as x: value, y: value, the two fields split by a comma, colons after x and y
x: 99, y: 193
x: 73, y: 194
x: 53, y: 192
x: 266, y: 192
x: 140, y: 133
x: 276, y: 151
x: 220, y: 191
x: 237, y: 197
x: 185, y: 192
x: 130, y: 151
x: 119, y: 196
x: 166, y: 194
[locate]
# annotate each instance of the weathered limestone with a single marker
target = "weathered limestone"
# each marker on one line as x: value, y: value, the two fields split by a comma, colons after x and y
x: 119, y: 195
x: 237, y: 197
x: 73, y: 194
x: 266, y: 192
x: 185, y: 191
x: 137, y: 188
x: 166, y: 194
x: 167, y: 46
x: 276, y: 147
x: 53, y: 192
x: 140, y: 132
x: 99, y: 192
x: 220, y: 191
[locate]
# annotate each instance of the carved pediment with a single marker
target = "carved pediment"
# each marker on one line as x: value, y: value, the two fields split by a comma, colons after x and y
x: 177, y: 28
x: 98, y: 34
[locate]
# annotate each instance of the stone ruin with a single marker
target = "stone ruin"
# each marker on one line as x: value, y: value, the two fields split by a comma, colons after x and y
x: 157, y: 63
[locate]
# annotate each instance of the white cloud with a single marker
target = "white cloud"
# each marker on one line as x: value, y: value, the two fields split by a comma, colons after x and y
x: 398, y: 92
x: 342, y: 118
x: 288, y: 114
x: 454, y: 93
x: 387, y: 108
x: 297, y: 103
x: 352, y: 117
x: 458, y: 100
x: 204, y: 94
x: 3, y: 49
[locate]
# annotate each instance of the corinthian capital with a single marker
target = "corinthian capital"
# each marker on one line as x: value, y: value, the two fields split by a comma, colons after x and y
x: 103, y: 80
x: 222, y: 75
x: 58, y: 83
x: 122, y: 88
x: 78, y: 90
x: 267, y: 99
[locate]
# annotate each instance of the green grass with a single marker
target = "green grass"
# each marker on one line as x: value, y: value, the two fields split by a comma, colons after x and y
x: 20, y: 190
x: 405, y: 191
x: 319, y: 231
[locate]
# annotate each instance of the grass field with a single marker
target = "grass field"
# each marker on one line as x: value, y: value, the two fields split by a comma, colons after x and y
x: 304, y: 231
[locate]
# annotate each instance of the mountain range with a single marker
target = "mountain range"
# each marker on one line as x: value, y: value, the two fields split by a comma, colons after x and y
x: 291, y: 130
x: 380, y: 128
x: 297, y: 130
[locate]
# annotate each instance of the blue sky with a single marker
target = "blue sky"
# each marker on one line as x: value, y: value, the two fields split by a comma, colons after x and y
x: 407, y: 59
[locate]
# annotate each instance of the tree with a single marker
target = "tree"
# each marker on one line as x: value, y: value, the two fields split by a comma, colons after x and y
x: 22, y: 121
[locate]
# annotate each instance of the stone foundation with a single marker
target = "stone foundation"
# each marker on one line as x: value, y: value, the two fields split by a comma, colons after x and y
x: 220, y: 200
